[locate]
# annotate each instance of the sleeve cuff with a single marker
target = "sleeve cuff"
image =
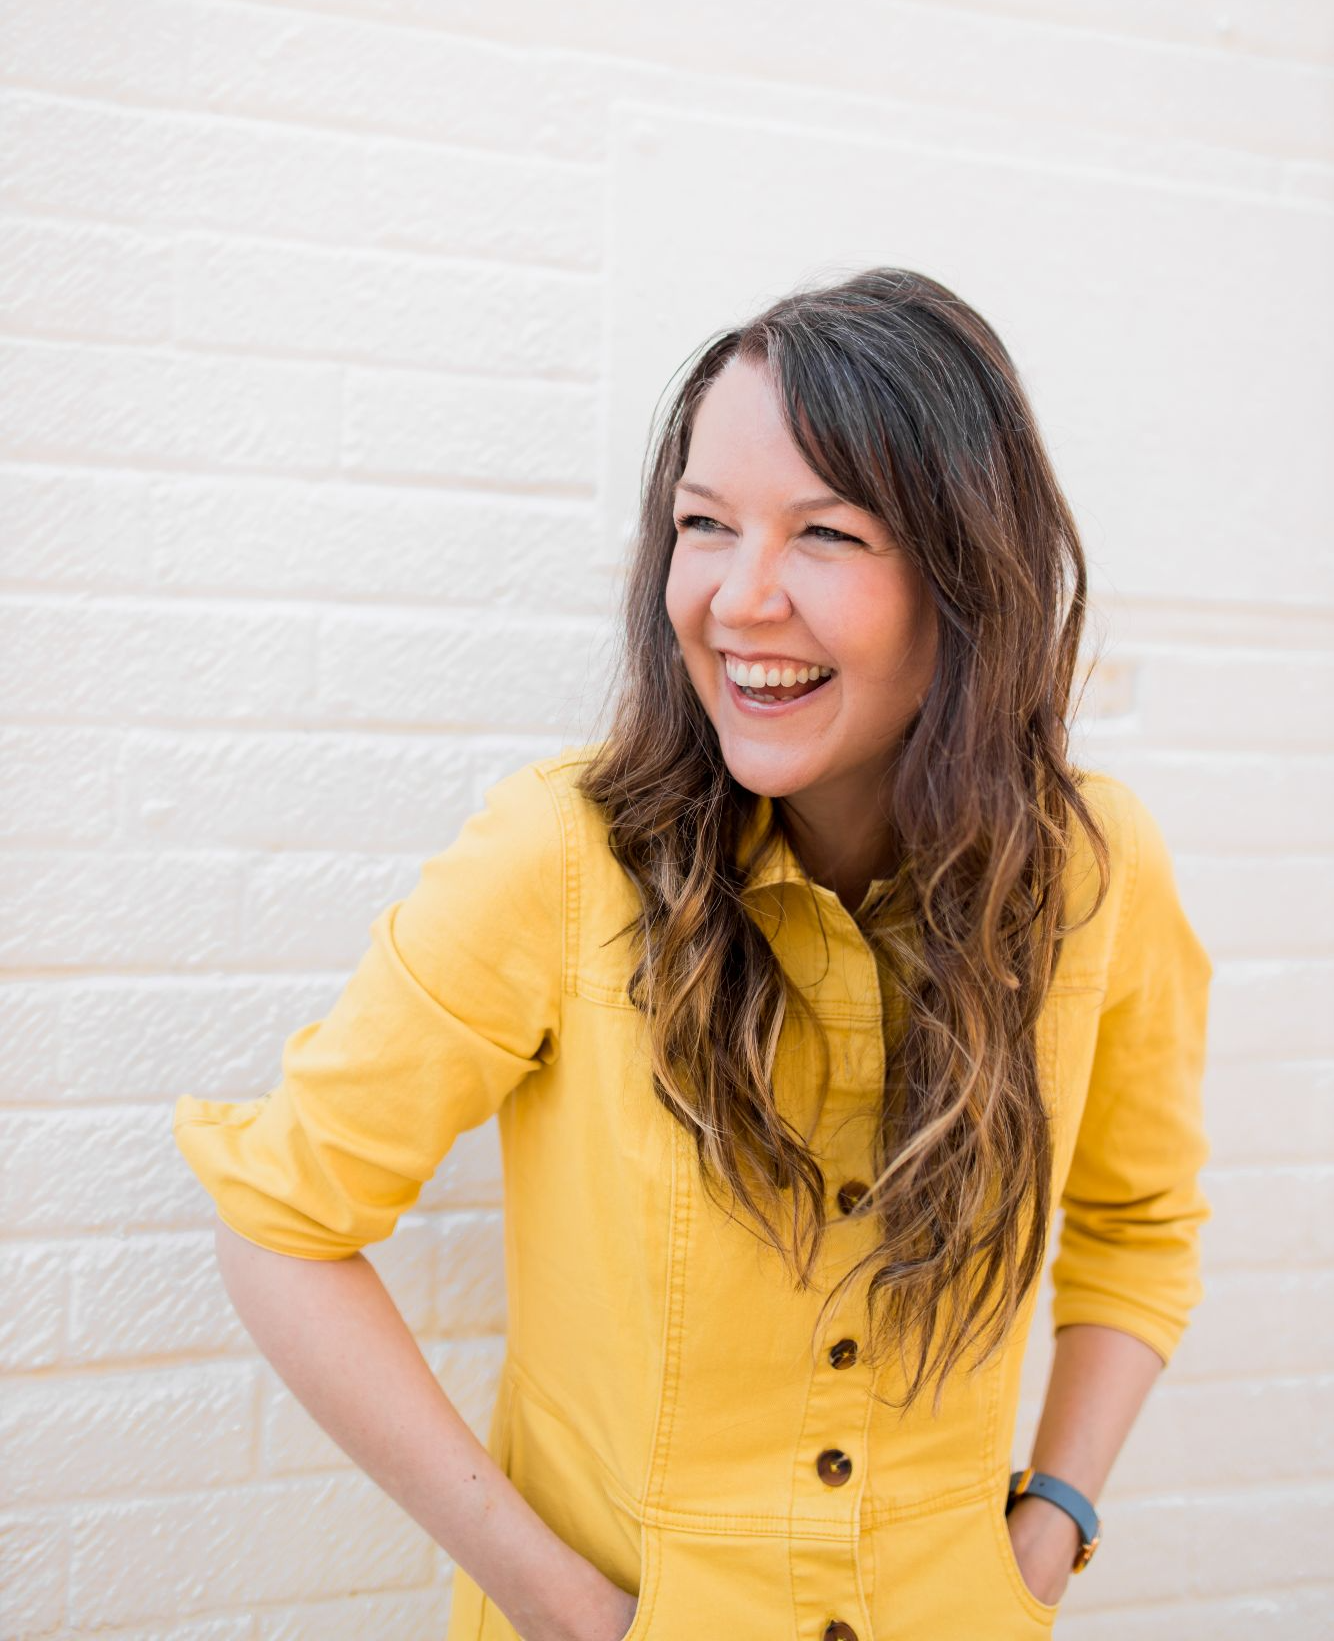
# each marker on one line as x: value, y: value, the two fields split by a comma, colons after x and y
x: 1149, y: 1330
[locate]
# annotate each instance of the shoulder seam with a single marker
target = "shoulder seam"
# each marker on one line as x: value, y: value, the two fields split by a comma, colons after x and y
x: 559, y: 797
x: 1131, y: 827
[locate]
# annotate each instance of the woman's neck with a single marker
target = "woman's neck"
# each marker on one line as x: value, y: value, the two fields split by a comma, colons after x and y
x: 841, y: 853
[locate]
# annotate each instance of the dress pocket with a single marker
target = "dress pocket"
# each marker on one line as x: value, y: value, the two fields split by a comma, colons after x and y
x: 1044, y: 1611
x: 648, y: 1583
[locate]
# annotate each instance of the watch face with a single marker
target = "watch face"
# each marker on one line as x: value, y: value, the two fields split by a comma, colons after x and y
x: 1085, y: 1554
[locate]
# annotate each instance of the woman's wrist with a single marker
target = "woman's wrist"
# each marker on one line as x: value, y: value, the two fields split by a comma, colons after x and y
x: 1063, y: 1495
x: 1045, y: 1543
x: 580, y: 1604
x: 1038, y: 1520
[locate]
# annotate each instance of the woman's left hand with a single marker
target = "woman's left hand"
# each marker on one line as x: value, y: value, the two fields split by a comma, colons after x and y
x: 1046, y: 1542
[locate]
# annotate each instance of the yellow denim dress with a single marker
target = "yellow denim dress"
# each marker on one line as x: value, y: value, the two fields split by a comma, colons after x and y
x: 662, y: 1404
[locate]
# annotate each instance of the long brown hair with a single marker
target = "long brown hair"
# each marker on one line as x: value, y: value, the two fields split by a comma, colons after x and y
x: 905, y: 402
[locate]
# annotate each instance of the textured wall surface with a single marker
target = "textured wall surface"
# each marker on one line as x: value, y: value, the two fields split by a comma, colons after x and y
x: 330, y: 332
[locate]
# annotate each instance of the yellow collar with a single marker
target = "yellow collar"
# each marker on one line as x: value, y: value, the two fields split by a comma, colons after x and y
x: 780, y: 864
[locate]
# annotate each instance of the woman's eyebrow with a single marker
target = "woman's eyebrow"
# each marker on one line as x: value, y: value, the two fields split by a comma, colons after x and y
x: 809, y: 505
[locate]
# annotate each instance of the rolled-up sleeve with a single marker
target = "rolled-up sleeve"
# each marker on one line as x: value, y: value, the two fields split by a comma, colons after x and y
x: 456, y: 1000
x: 1128, y: 1252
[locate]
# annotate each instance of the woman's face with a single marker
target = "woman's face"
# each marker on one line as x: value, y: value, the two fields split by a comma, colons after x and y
x: 755, y: 575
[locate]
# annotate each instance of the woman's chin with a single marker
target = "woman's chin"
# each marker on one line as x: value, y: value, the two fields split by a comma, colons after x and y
x: 769, y: 771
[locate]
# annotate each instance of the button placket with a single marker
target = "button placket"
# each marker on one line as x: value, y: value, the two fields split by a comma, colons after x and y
x: 828, y: 1487
x: 830, y: 1482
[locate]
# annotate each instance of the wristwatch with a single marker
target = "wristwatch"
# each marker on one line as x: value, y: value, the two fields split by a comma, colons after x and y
x: 1039, y: 1484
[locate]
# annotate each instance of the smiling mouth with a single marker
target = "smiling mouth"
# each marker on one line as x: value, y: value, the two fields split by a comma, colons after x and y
x: 778, y: 695
x: 776, y: 691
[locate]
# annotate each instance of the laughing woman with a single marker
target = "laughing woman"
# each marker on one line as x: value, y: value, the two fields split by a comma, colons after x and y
x: 805, y: 997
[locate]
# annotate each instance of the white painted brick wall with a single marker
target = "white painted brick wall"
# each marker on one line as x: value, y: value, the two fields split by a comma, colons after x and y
x: 318, y: 322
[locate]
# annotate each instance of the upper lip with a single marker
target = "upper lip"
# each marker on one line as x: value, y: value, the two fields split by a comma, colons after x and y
x: 778, y: 660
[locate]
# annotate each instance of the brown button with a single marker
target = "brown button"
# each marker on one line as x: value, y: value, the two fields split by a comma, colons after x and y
x: 850, y: 1193
x: 843, y: 1354
x: 837, y: 1630
x: 834, y: 1466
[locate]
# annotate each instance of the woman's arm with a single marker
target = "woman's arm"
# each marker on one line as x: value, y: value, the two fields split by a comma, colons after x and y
x: 1099, y: 1380
x: 337, y: 1340
x: 1127, y: 1272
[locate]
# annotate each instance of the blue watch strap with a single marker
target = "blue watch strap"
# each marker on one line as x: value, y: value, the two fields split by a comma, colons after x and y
x: 1067, y: 1498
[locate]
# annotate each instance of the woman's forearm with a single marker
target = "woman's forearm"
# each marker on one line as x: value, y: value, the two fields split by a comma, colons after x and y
x: 1099, y: 1380
x: 337, y: 1340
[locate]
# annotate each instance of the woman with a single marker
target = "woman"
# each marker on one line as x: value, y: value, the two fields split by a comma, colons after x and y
x: 804, y: 997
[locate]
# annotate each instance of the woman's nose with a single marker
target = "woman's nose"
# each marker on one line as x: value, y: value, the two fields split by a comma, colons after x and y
x: 750, y: 593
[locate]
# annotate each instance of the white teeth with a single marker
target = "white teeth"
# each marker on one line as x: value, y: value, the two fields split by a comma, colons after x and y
x: 755, y: 676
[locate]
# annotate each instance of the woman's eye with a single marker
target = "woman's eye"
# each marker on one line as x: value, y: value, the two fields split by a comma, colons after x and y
x: 707, y: 526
